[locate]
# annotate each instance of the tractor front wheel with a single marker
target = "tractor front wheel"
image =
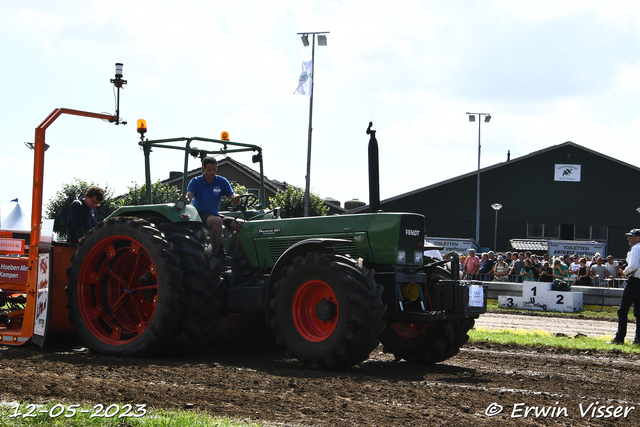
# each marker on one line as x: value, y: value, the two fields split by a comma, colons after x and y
x: 326, y: 311
x: 429, y: 342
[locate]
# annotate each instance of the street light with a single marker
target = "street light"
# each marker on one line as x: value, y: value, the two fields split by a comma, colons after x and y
x: 472, y: 118
x: 322, y: 41
x: 496, y: 207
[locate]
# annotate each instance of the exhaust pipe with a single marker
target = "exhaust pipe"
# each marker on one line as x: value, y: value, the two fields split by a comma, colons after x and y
x: 374, y: 171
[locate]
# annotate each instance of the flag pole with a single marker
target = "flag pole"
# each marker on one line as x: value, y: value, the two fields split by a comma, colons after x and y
x: 307, y: 190
x: 322, y: 41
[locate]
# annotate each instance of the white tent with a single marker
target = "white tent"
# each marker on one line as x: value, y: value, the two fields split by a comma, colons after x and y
x: 12, y: 217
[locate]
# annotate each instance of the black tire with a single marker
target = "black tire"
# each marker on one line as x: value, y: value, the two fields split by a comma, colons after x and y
x: 125, y: 291
x: 326, y: 311
x: 204, y: 290
x: 429, y: 342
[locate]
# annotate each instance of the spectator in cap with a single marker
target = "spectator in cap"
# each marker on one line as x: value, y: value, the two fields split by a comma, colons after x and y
x: 631, y: 293
x: 500, y: 270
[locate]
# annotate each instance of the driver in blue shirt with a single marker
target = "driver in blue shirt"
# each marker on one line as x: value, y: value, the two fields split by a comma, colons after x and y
x: 205, y: 193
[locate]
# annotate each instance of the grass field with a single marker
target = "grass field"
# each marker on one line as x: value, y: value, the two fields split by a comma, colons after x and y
x: 545, y: 339
x: 60, y: 414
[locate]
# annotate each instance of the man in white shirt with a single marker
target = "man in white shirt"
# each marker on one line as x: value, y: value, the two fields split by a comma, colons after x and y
x: 574, y: 267
x: 612, y: 267
x: 631, y: 293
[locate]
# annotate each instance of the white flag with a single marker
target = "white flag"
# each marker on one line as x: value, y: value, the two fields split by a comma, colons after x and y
x: 305, y: 82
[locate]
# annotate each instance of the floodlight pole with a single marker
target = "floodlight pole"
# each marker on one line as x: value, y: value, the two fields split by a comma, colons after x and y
x: 472, y: 117
x: 307, y: 190
x: 496, y: 207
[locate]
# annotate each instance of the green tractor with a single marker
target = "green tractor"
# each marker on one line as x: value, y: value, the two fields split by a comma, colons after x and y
x: 327, y: 289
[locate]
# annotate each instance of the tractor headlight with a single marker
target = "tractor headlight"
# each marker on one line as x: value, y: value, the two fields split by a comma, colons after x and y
x: 402, y: 257
x: 417, y: 257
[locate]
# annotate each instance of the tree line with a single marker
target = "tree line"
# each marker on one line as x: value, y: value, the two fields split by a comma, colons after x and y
x: 291, y: 201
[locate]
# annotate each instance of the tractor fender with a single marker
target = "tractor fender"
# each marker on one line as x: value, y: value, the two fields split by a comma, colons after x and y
x: 302, y: 247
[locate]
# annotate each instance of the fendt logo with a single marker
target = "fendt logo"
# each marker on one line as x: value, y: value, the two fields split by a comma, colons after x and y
x: 412, y: 232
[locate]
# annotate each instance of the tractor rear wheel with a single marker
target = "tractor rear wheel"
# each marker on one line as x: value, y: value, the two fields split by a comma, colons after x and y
x: 125, y: 291
x: 204, y: 291
x: 428, y: 342
x: 326, y: 311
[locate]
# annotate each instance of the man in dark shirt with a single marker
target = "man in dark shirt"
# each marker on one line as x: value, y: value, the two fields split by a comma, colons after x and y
x: 82, y: 214
x: 516, y: 266
x: 507, y: 258
x: 486, y: 265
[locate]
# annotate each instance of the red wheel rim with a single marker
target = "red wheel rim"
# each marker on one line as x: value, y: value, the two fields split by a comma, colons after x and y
x: 410, y: 330
x: 117, y: 290
x: 235, y: 320
x: 315, y: 311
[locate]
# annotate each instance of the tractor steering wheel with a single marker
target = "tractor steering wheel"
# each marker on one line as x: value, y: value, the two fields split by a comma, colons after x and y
x: 246, y: 201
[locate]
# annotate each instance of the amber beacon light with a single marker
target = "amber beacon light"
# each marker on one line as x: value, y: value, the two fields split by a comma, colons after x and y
x: 142, y: 127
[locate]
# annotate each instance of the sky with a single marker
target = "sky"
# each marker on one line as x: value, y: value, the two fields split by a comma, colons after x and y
x: 547, y: 71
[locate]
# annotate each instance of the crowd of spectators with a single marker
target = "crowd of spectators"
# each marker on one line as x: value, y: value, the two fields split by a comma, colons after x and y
x: 518, y: 267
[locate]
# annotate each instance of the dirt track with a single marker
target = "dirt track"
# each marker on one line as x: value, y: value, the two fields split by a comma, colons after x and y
x: 268, y: 387
x: 555, y: 325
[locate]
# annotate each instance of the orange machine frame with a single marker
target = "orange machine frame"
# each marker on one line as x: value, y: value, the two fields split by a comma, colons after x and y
x: 25, y: 333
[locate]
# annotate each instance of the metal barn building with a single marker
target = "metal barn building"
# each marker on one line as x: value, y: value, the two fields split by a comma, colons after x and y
x: 564, y: 192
